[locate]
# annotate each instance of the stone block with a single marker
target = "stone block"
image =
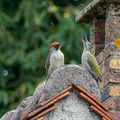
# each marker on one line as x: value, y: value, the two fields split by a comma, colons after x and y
x: 113, y: 22
x: 111, y: 77
x: 110, y: 50
x: 105, y: 93
x: 115, y: 114
x: 114, y: 90
x: 111, y: 103
x: 100, y: 57
x: 105, y: 79
x: 110, y: 91
x: 114, y: 76
x: 114, y: 63
x: 112, y: 34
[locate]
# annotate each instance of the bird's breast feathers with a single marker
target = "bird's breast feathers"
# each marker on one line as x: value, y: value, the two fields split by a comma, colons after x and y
x: 56, y: 59
x: 89, y: 61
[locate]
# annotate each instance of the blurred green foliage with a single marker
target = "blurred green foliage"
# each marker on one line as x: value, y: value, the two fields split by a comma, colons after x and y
x: 27, y: 27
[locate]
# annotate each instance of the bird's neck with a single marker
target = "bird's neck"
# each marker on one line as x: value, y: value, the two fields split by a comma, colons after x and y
x: 54, y: 50
x: 85, y: 49
x: 58, y: 51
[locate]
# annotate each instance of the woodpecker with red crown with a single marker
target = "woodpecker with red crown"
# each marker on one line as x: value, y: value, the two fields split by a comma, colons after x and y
x: 55, y: 58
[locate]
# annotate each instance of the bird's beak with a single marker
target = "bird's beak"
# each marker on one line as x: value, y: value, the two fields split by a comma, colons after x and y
x: 83, y: 40
x: 61, y: 44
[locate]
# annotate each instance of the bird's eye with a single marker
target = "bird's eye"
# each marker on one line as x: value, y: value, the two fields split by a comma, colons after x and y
x: 57, y: 46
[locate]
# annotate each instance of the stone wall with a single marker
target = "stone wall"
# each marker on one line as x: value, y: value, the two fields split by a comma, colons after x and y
x: 105, y: 28
x: 109, y: 60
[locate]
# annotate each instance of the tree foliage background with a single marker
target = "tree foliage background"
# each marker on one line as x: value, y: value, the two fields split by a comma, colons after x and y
x: 27, y: 27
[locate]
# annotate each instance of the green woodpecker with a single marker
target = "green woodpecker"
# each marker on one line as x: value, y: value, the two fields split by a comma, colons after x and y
x: 89, y: 61
x: 55, y: 58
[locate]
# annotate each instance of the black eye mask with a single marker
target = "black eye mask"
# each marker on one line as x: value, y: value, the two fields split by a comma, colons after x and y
x: 57, y: 47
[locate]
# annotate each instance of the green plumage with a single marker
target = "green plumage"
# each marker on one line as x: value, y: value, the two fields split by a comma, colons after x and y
x: 90, y: 63
x: 47, y: 64
x: 94, y: 65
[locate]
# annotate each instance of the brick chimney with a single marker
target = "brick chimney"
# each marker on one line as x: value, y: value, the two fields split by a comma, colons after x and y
x: 104, y: 18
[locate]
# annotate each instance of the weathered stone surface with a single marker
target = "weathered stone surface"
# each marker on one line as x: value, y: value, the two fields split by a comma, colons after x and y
x: 39, y: 90
x: 115, y: 90
x: 69, y: 108
x: 110, y: 90
x: 110, y: 50
x: 26, y: 105
x: 25, y: 102
x: 112, y: 63
x: 105, y: 93
x: 112, y: 34
x: 72, y: 107
x: 112, y: 103
x: 115, y: 63
x: 111, y: 77
x: 116, y: 115
x: 36, y: 95
x: 8, y: 115
x: 59, y: 80
x: 113, y: 22
x: 100, y: 57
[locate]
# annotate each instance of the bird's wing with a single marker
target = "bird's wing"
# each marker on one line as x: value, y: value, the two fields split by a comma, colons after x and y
x: 47, y: 64
x: 93, y: 63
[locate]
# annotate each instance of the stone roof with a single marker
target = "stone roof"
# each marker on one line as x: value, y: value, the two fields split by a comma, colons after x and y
x: 95, y: 8
x: 60, y: 99
x: 49, y: 105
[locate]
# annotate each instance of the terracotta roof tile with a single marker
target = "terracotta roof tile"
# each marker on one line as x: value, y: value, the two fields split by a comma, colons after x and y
x: 88, y: 94
x: 41, y: 118
x: 60, y: 93
x: 41, y: 99
x: 96, y: 110
x: 48, y: 105
x: 103, y: 118
x: 43, y: 113
x: 91, y: 101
